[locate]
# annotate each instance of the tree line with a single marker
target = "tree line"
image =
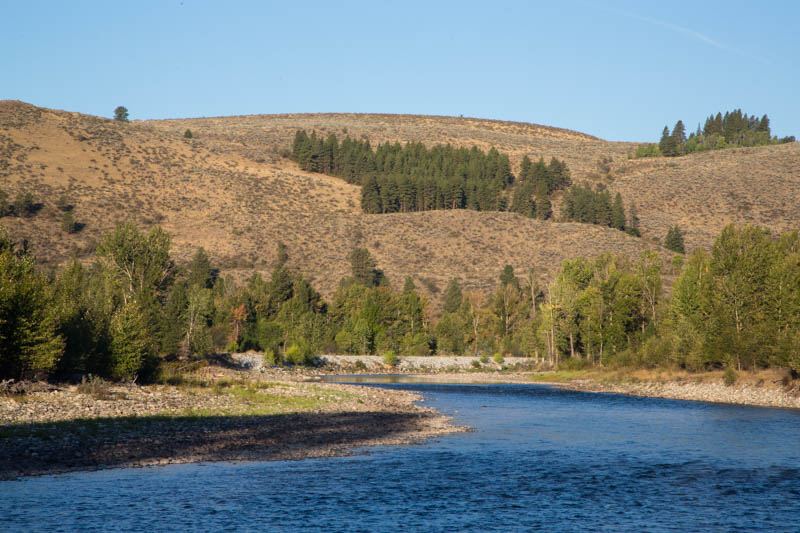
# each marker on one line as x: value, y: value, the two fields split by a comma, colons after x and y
x: 536, y: 183
x: 582, y: 204
x: 403, y: 178
x: 733, y: 130
x: 737, y: 306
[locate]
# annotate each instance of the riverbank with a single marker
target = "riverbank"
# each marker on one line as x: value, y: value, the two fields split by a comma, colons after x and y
x: 218, y: 415
x: 765, y: 388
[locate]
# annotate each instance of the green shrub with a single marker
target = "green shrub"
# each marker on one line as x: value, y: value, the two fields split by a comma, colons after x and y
x: 498, y: 358
x: 299, y: 354
x: 484, y: 359
x: 476, y: 363
x: 730, y: 376
x: 572, y: 363
x: 271, y: 358
x: 390, y: 358
x: 360, y: 365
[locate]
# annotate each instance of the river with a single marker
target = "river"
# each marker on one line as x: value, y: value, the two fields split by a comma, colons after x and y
x: 539, y: 458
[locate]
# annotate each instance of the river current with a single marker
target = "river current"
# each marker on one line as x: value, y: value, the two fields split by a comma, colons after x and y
x: 539, y: 458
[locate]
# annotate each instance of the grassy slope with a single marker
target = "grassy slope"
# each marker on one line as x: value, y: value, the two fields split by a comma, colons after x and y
x: 229, y: 190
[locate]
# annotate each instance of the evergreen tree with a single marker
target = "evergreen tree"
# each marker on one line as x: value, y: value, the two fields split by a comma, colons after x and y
x: 679, y: 136
x: 371, y: 196
x: 200, y: 272
x: 362, y: 265
x: 29, y: 344
x: 452, y: 297
x: 618, y: 213
x: 663, y: 144
x: 632, y: 228
x: 543, y: 208
x: 674, y: 240
x: 507, y: 277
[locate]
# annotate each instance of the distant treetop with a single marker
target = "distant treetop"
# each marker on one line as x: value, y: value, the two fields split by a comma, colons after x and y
x: 732, y: 130
x: 121, y: 114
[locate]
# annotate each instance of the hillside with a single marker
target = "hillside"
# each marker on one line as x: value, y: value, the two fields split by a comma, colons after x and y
x: 229, y: 190
x: 704, y: 192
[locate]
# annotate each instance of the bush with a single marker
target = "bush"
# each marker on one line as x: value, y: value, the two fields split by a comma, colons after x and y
x: 299, y: 354
x: 476, y: 363
x: 729, y: 378
x: 271, y: 358
x: 390, y: 358
x: 498, y: 358
x: 360, y: 365
x: 187, y: 134
x: 96, y: 387
x: 573, y: 363
x: 68, y: 223
x: 484, y: 359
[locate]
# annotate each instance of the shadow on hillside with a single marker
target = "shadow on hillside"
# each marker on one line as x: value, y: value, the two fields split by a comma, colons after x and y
x: 88, y: 444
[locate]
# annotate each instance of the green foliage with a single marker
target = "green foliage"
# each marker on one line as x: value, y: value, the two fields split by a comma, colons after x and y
x: 25, y: 205
x: 452, y: 297
x: 139, y: 264
x: 300, y: 354
x: 537, y: 181
x: 29, y: 343
x: 121, y: 114
x: 734, y: 129
x: 397, y: 178
x: 737, y: 307
x: 187, y: 134
x: 390, y: 358
x: 582, y: 204
x: 362, y: 266
x: 130, y: 342
x: 674, y: 240
x: 498, y: 358
x: 68, y: 224
x: 729, y: 378
x: 484, y: 359
x: 450, y: 332
x: 647, y: 150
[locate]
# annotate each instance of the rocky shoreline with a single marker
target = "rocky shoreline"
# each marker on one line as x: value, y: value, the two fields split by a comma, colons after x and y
x: 65, y: 430
x: 745, y: 394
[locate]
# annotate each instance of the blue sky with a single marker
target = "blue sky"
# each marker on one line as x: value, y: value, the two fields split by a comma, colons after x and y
x: 620, y: 70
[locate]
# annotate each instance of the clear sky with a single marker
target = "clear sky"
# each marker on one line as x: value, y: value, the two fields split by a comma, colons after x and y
x: 620, y: 70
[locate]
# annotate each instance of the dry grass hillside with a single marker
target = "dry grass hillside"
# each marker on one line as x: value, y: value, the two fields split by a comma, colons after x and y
x: 229, y: 190
x: 702, y: 193
x: 259, y: 136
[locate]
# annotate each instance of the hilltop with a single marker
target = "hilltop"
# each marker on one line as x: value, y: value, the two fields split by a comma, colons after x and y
x: 230, y: 190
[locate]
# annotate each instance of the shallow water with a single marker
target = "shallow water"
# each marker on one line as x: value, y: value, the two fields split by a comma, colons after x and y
x: 539, y: 458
